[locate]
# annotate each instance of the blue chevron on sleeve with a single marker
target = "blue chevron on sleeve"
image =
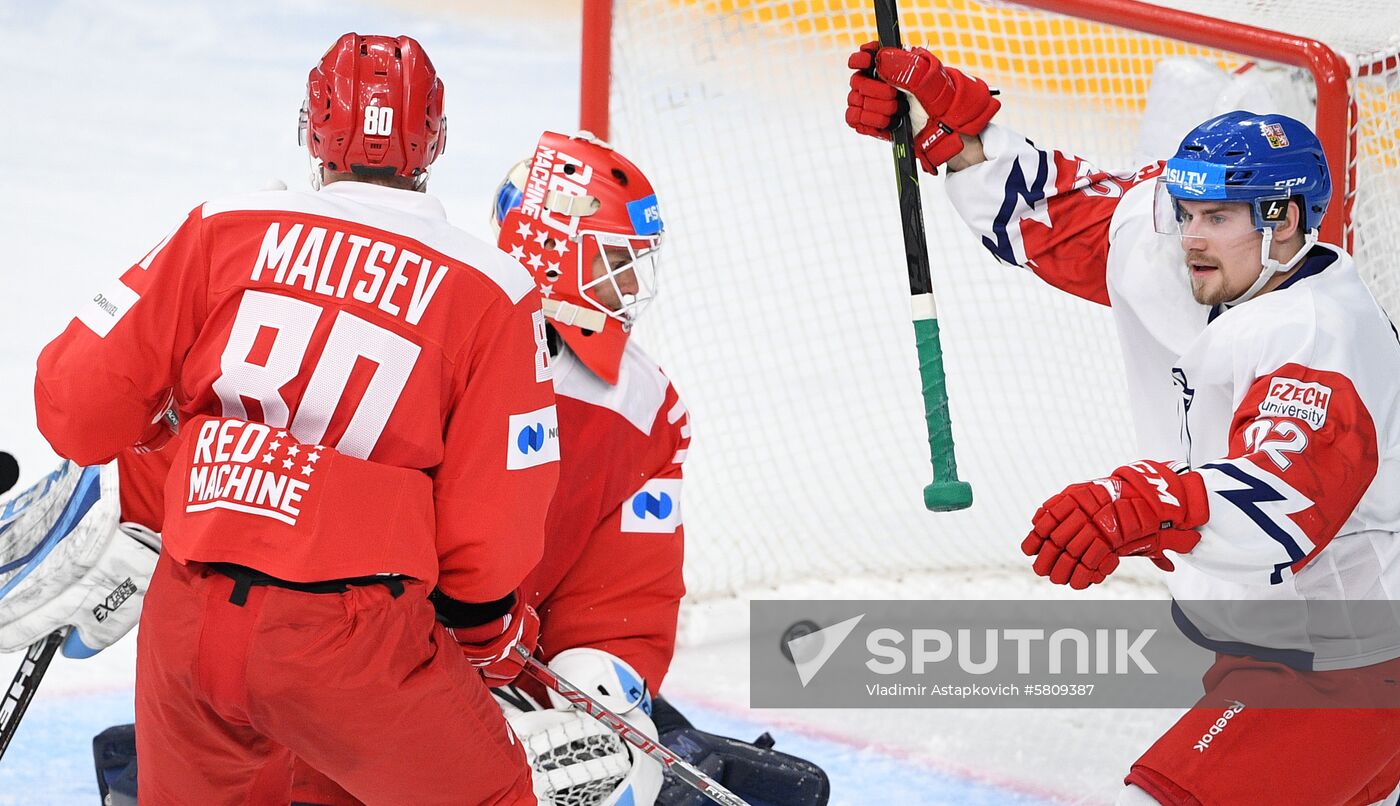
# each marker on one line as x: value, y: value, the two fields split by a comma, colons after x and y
x: 1016, y: 188
x: 1247, y: 501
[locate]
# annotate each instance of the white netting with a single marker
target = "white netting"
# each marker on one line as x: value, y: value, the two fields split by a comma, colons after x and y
x: 784, y: 312
x: 580, y: 771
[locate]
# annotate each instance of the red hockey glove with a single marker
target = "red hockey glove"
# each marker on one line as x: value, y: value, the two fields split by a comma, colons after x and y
x: 945, y: 101
x: 1141, y: 509
x: 491, y: 647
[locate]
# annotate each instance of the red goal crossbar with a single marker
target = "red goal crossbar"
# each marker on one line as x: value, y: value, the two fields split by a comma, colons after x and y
x: 1335, y: 107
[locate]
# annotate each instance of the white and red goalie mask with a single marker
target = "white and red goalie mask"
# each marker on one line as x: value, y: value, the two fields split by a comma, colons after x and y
x: 584, y: 220
x: 374, y: 108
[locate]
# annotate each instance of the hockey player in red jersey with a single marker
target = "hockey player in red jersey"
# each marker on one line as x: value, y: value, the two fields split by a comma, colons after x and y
x: 367, y: 456
x: 585, y: 220
x: 1262, y: 376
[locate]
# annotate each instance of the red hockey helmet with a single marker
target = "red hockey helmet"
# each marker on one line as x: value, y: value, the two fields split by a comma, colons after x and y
x: 585, y: 221
x: 374, y: 107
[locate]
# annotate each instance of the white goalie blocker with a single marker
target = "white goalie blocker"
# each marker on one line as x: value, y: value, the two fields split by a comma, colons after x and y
x: 576, y: 760
x: 67, y: 560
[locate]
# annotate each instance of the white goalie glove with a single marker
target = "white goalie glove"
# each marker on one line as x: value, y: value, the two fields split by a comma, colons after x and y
x: 66, y: 559
x: 577, y: 761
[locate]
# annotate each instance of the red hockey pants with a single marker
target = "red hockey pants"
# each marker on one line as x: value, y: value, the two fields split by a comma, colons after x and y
x: 1322, y: 752
x: 364, y: 685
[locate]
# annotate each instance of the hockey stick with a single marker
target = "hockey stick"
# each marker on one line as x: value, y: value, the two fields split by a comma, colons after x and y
x: 946, y: 492
x: 27, y: 678
x: 673, y: 763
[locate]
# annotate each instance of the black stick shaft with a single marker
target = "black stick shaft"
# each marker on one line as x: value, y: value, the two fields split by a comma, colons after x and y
x: 911, y: 210
x: 26, y: 682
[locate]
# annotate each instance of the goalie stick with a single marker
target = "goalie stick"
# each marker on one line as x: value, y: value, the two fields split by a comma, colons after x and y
x: 673, y: 763
x: 946, y: 493
x: 27, y: 678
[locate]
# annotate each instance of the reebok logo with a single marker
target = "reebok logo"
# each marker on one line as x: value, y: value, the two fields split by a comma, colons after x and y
x: 1204, y: 743
x: 810, y: 652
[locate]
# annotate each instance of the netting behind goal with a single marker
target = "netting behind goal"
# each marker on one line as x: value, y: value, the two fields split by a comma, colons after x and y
x: 784, y: 316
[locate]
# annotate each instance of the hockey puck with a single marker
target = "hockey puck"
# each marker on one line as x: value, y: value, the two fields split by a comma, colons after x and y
x: 797, y: 630
x: 9, y: 472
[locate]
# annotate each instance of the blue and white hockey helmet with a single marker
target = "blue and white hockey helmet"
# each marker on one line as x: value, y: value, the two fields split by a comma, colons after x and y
x: 1263, y: 160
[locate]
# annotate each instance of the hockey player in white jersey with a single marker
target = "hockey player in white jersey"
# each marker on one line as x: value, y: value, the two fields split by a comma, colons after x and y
x: 1265, y: 385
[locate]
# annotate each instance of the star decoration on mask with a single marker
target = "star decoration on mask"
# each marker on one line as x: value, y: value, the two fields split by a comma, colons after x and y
x: 541, y: 236
x: 535, y: 262
x: 293, y: 450
x: 307, y: 470
x: 523, y: 230
x: 561, y: 245
x: 314, y: 455
x: 547, y: 290
x: 517, y: 252
x: 267, y: 458
x: 287, y: 463
x: 551, y: 268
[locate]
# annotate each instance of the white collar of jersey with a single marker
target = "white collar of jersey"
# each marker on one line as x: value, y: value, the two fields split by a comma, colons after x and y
x: 409, y: 201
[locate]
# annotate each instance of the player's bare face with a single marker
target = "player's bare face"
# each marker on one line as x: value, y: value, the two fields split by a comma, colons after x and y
x: 1222, y: 249
x: 610, y: 293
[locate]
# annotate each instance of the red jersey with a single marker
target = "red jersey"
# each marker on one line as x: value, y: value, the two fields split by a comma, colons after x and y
x: 364, y: 389
x: 611, y: 574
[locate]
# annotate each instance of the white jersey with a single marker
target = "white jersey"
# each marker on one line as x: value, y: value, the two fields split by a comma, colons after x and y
x: 1288, y: 405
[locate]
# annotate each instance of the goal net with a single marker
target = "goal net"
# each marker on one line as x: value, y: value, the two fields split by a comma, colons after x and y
x: 784, y: 315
